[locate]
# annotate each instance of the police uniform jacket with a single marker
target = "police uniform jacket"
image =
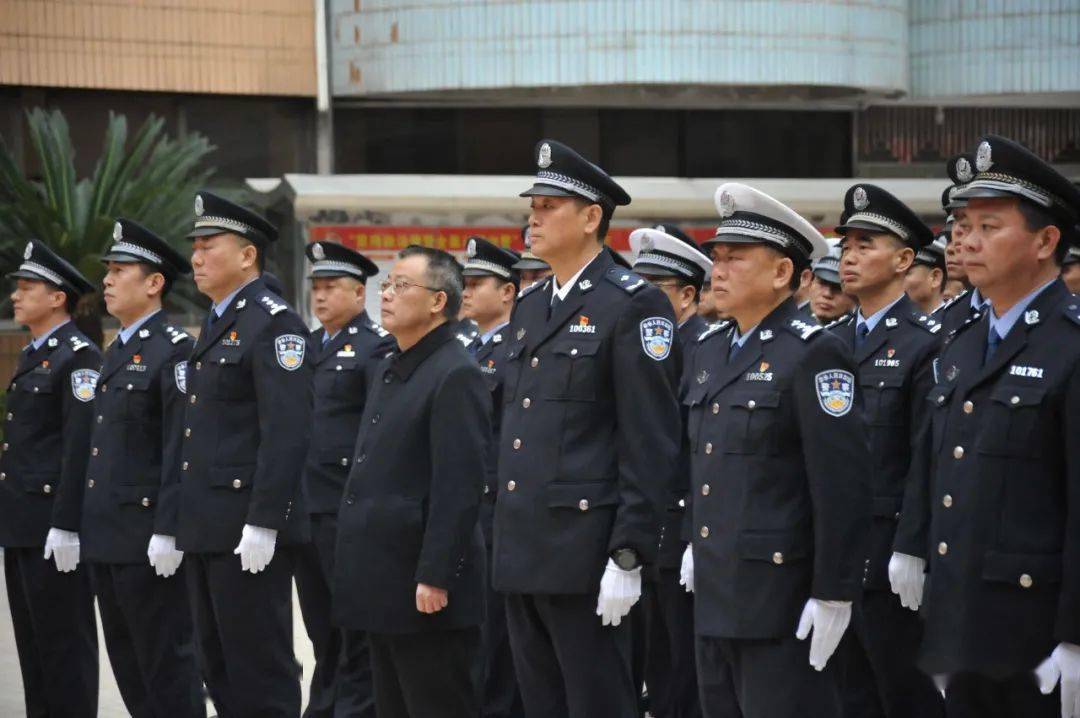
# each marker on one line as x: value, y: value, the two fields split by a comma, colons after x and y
x: 133, y: 475
x: 491, y: 357
x: 672, y: 536
x: 410, y: 507
x: 246, y: 425
x: 341, y: 373
x: 590, y: 432
x: 955, y: 313
x: 895, y: 373
x: 47, y: 437
x: 998, y: 519
x: 780, y: 460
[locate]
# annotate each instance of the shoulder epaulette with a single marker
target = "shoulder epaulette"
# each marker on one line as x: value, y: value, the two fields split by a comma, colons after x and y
x: 841, y: 320
x: 954, y: 300
x: 970, y: 321
x: 713, y: 329
x: 272, y: 304
x: 175, y: 335
x: 533, y: 287
x: 925, y: 321
x: 1072, y: 311
x: 624, y: 279
x: 803, y: 330
x: 77, y: 344
x: 377, y: 328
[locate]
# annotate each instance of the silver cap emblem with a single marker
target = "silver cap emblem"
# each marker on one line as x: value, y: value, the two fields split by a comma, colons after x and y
x: 963, y: 170
x: 982, y: 157
x: 117, y: 232
x: 318, y: 252
x: 860, y: 199
x: 727, y: 204
x: 28, y: 251
x: 198, y: 205
x: 544, y: 160
x: 470, y: 249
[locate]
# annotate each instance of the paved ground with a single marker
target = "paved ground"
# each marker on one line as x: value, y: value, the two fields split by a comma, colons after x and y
x: 109, y: 705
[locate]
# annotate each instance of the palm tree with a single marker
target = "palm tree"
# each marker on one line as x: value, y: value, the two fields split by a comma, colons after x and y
x: 150, y: 178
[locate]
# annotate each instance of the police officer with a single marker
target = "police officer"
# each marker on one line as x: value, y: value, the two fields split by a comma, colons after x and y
x: 893, y: 344
x: 827, y: 299
x: 998, y: 513
x: 42, y: 470
x: 491, y: 286
x: 925, y: 281
x: 246, y: 430
x: 1070, y: 270
x: 132, y: 479
x: 530, y: 268
x: 589, y: 440
x: 970, y: 302
x: 779, y: 460
x: 410, y: 556
x: 344, y: 352
x: 672, y: 261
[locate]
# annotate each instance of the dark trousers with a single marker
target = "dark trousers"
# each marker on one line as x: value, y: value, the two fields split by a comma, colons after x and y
x: 422, y: 675
x: 568, y: 664
x: 877, y: 662
x: 500, y: 697
x: 243, y: 634
x: 147, y: 626
x: 55, y: 635
x: 970, y: 695
x: 769, y: 678
x: 640, y: 620
x: 341, y: 680
x: 670, y: 672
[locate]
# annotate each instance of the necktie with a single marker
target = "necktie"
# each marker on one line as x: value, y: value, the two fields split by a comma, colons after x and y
x: 992, y: 342
x: 554, y: 306
x: 474, y: 347
x: 733, y: 349
x: 211, y: 318
x: 325, y: 339
x: 861, y: 332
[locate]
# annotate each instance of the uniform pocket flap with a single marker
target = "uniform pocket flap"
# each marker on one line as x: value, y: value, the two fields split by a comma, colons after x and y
x: 346, y: 364
x: 582, y: 495
x: 36, y: 384
x: 888, y: 506
x: 145, y: 495
x: 1018, y: 396
x: 882, y: 381
x: 773, y: 546
x: 40, y: 483
x: 576, y: 348
x: 758, y: 399
x: 695, y: 394
x: 132, y: 381
x: 340, y: 456
x: 232, y: 477
x: 226, y: 358
x: 1022, y: 569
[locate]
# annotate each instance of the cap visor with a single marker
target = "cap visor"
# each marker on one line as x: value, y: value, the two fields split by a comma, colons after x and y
x: 331, y: 273
x: 546, y: 190
x: 651, y: 270
x: 529, y: 264
x: 865, y: 227
x: 121, y: 257
x: 206, y: 232
x: 984, y: 193
x: 827, y: 275
x: 27, y: 274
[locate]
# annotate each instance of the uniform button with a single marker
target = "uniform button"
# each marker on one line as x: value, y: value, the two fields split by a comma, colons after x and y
x: 198, y: 365
x: 968, y: 406
x: 526, y: 402
x: 47, y: 488
x: 943, y: 548
x: 361, y: 459
x: 778, y: 558
x: 716, y: 408
x: 129, y: 387
x: 1014, y: 400
x: 708, y: 448
x: 487, y: 489
x: 183, y: 466
x: 100, y: 418
x: 1025, y: 580
x: 187, y: 432
x: 10, y: 416
x: 751, y: 404
x: 344, y: 461
x: 946, y: 501
x: 386, y: 379
x: 375, y: 419
x: 193, y: 398
x: 93, y: 452
x: 941, y: 400
x: 881, y: 385
x: 37, y: 389
x: 145, y: 502
x: 511, y: 485
x: 90, y: 483
x: 517, y: 443
x: 682, y: 505
x: 350, y: 499
x: 3, y: 476
x: 6, y: 447
x: 236, y: 483
x: 704, y: 532
x: 583, y: 504
x: 958, y: 452
x: 534, y: 363
x: 705, y: 490
x: 337, y: 368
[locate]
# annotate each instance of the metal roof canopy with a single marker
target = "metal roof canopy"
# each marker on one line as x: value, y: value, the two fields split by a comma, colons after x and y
x: 820, y: 200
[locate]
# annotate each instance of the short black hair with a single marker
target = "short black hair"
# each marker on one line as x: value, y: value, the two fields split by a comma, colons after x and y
x: 798, y: 266
x: 605, y: 217
x: 1036, y: 217
x: 148, y: 269
x: 260, y: 259
x: 443, y: 274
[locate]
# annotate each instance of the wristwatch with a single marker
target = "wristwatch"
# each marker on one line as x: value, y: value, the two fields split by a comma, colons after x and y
x: 626, y: 558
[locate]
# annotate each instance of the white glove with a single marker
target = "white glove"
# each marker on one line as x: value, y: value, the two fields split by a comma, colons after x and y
x: 906, y: 576
x: 63, y: 547
x: 619, y: 591
x: 163, y: 555
x: 686, y: 571
x: 256, y: 547
x: 829, y: 619
x: 1063, y: 663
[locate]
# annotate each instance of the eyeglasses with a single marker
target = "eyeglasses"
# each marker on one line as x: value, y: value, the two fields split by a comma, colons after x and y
x: 399, y: 285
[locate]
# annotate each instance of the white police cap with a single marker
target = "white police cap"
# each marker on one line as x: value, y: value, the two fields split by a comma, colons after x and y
x: 749, y: 216
x: 658, y: 253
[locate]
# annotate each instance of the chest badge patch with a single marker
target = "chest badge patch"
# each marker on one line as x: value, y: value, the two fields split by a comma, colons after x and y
x: 180, y: 376
x: 346, y: 351
x: 762, y: 373
x: 583, y: 326
x: 835, y: 391
x: 702, y: 377
x: 656, y: 337
x: 232, y: 340
x: 83, y: 384
x: 290, y: 351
